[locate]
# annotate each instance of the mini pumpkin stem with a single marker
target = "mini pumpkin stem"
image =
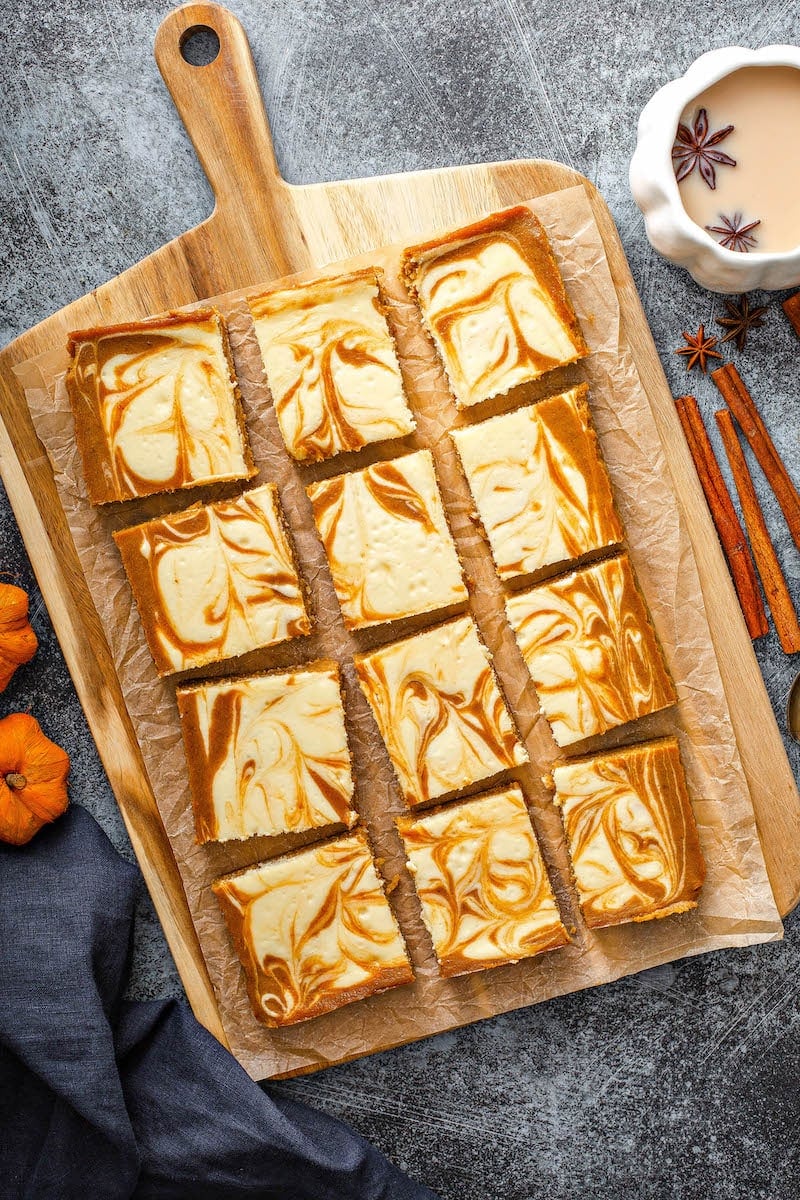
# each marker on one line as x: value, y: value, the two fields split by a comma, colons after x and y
x: 16, y: 781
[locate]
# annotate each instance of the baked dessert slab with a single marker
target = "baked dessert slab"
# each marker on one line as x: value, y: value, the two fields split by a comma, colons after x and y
x: 481, y: 880
x: 492, y: 297
x: 267, y: 754
x: 156, y: 407
x: 439, y: 710
x: 631, y: 833
x: 214, y: 581
x: 539, y: 484
x: 331, y: 365
x: 591, y: 649
x: 313, y: 930
x: 388, y: 544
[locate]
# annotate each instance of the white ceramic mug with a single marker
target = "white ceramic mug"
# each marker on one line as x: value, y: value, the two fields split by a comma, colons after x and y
x: 670, y: 229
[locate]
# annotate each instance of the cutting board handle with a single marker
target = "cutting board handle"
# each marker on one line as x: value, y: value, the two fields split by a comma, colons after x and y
x: 220, y: 104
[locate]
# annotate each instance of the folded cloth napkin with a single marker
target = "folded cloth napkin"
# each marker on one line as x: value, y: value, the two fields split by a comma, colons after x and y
x: 101, y: 1098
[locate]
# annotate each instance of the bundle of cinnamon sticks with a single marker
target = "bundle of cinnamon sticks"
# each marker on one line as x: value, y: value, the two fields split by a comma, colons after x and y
x: 741, y: 410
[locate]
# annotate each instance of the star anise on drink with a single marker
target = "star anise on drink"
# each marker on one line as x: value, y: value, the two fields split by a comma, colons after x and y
x: 695, y: 148
x: 733, y: 235
x: 740, y: 320
x: 698, y: 349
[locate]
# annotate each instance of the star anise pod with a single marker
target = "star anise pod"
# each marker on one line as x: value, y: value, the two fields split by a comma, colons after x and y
x: 733, y: 235
x: 694, y: 148
x: 698, y: 349
x: 740, y: 320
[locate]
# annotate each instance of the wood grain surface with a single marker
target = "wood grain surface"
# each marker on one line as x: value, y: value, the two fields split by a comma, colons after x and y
x: 262, y: 228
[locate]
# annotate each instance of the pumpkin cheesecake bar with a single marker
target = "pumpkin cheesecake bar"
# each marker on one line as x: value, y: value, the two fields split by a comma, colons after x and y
x: 591, y: 649
x: 267, y: 754
x: 331, y: 365
x: 214, y: 581
x: 481, y: 880
x: 539, y: 484
x: 631, y: 833
x: 439, y: 710
x: 388, y: 544
x: 492, y: 298
x: 313, y: 930
x: 156, y: 407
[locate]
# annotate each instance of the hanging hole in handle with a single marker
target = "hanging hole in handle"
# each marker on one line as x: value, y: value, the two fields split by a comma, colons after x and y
x: 199, y: 46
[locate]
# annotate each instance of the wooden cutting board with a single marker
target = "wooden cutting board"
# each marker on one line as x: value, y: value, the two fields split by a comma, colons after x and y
x: 262, y: 228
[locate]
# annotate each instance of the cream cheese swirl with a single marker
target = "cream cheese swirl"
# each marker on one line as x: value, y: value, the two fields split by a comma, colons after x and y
x: 591, y: 650
x: 314, y: 931
x: 482, y: 883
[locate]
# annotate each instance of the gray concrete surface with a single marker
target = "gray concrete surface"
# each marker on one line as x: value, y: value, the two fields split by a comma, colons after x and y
x: 681, y: 1082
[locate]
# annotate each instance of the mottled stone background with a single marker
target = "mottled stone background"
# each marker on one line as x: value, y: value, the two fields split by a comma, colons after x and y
x: 683, y: 1081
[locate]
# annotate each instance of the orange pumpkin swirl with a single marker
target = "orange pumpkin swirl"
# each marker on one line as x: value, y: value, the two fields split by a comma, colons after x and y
x: 539, y: 484
x: 591, y: 650
x: 439, y: 710
x: 631, y: 833
x: 215, y: 581
x: 314, y: 931
x: 485, y: 894
x: 155, y: 407
x: 331, y: 365
x: 387, y: 541
x: 267, y: 754
x: 493, y: 299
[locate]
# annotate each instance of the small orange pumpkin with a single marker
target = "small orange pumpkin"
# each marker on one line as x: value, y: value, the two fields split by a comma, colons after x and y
x: 17, y: 640
x: 33, y: 779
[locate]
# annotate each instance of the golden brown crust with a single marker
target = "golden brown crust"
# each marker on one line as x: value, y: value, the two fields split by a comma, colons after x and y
x: 241, y: 424
x: 167, y: 320
x: 105, y: 481
x: 205, y: 818
x: 259, y: 301
x: 198, y: 685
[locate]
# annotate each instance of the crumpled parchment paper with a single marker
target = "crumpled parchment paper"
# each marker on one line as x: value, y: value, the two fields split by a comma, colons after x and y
x: 736, y: 908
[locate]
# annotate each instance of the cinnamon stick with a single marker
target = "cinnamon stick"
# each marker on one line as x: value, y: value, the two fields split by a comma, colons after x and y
x: 743, y: 407
x: 777, y: 593
x: 792, y: 309
x: 723, y: 514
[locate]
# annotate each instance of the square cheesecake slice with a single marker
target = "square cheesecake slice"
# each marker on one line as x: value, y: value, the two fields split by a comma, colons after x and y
x: 331, y: 365
x: 267, y: 754
x: 482, y: 883
x: 214, y: 581
x: 313, y: 930
x: 439, y: 710
x: 156, y: 407
x: 591, y: 649
x: 539, y: 484
x: 388, y: 544
x: 492, y: 297
x: 631, y: 833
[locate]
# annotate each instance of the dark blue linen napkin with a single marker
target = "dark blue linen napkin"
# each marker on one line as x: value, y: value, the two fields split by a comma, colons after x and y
x: 103, y: 1099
